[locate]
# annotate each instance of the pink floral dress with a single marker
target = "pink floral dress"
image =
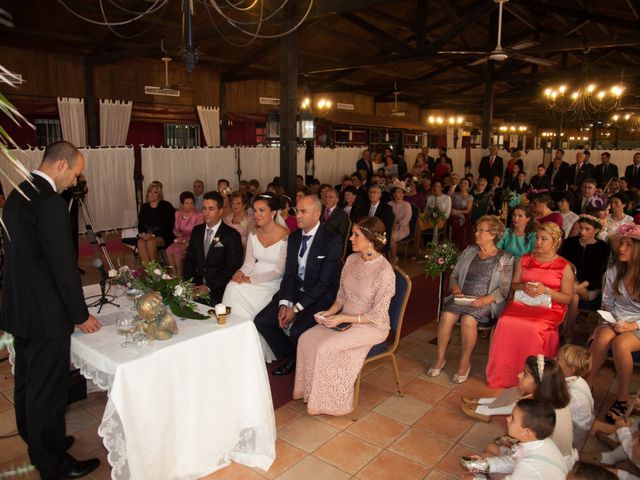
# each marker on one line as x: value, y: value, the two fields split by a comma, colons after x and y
x: 182, y: 231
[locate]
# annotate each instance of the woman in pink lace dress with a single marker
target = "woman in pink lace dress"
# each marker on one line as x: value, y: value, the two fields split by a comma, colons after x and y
x: 186, y: 218
x: 329, y: 360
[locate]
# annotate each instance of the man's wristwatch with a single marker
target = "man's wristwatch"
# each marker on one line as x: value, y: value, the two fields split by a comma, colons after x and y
x: 295, y: 309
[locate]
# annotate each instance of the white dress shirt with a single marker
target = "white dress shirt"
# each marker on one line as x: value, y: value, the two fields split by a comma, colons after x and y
x: 302, y: 262
x: 372, y: 209
x: 47, y: 178
x: 581, y: 404
x: 540, y: 459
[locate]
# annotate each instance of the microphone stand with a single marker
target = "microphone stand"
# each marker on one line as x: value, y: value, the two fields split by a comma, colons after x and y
x: 104, y: 298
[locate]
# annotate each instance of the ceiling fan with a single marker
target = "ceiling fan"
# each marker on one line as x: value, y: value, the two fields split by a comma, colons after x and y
x: 500, y: 54
x: 395, y: 112
x: 167, y: 89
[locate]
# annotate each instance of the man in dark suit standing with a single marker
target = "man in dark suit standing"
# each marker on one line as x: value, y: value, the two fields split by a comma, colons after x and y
x: 42, y: 303
x: 376, y: 208
x: 579, y: 172
x: 215, y: 250
x: 491, y: 165
x: 632, y: 172
x: 558, y: 173
x: 606, y: 170
x: 309, y: 284
x: 365, y: 163
x: 333, y: 217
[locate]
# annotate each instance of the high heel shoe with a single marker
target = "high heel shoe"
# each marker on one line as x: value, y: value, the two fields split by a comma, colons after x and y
x: 461, y: 378
x: 434, y: 372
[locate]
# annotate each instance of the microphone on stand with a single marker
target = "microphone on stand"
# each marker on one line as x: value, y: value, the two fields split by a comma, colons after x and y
x: 97, y: 264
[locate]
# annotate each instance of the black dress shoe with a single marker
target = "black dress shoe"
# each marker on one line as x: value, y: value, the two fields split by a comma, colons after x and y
x: 80, y: 468
x: 289, y: 367
x: 69, y: 440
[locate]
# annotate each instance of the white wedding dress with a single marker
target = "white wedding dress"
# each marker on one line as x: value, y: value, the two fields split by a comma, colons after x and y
x: 265, y: 267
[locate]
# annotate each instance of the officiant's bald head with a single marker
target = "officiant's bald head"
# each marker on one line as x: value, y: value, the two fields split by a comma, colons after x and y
x: 63, y: 163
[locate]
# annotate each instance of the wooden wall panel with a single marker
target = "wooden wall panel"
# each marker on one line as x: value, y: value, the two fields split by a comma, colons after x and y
x: 363, y: 104
x: 244, y: 96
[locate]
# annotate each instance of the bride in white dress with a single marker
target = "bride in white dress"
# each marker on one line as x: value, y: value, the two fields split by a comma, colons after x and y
x: 252, y: 287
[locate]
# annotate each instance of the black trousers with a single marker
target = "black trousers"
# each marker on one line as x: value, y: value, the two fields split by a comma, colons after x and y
x: 282, y: 345
x: 40, y: 397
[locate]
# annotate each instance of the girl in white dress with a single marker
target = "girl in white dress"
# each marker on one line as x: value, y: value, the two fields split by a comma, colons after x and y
x: 252, y: 287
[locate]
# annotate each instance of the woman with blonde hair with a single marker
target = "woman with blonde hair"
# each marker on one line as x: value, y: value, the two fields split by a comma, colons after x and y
x: 543, y: 286
x: 155, y: 223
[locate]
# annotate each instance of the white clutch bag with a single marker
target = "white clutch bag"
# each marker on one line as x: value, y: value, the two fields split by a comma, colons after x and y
x: 543, y: 300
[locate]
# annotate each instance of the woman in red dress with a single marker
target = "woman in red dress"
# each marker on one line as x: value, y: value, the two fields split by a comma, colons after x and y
x: 525, y: 329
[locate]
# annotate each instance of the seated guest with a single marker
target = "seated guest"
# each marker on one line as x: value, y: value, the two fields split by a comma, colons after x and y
x: 155, y: 224
x: 442, y: 167
x: 198, y: 192
x: 537, y: 456
x: 617, y: 217
x: 186, y: 219
x: 480, y: 200
x: 225, y: 190
x: 459, y: 221
x: 329, y: 360
x: 350, y: 207
x: 587, y: 192
x: 627, y: 451
x: 240, y: 218
x: 287, y: 213
x: 333, y: 217
x: 253, y: 190
x: 309, y: 284
x: 402, y: 216
x: 520, y: 238
x: 376, y: 208
x: 541, y: 208
x: 520, y: 186
x: 575, y: 362
x: 377, y: 163
x: 543, y: 282
x: 420, y: 165
x: 215, y: 250
x: 564, y: 200
x: 511, y: 177
x: 438, y: 200
x: 598, y: 208
x: 252, y: 287
x: 621, y: 297
x: 453, y: 186
x: 482, y: 271
x: 540, y: 181
x: 515, y: 160
x: 495, y: 195
x: 589, y: 255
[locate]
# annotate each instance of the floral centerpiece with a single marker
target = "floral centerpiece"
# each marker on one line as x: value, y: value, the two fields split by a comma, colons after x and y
x: 179, y: 295
x: 434, y: 215
x: 440, y: 258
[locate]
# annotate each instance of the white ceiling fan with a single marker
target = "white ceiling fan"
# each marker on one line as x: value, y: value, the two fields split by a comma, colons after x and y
x: 395, y: 112
x: 167, y: 89
x: 500, y: 54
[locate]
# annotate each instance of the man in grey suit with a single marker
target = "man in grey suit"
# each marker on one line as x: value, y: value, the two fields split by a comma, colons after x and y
x: 334, y: 218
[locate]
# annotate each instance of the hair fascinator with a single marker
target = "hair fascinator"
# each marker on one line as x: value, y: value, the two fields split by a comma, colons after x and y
x: 630, y: 230
x: 540, y: 364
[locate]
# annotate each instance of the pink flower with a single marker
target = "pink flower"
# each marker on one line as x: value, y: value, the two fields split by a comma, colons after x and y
x: 441, y: 261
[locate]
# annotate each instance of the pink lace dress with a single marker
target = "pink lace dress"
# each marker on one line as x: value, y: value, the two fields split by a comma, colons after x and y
x: 328, y: 361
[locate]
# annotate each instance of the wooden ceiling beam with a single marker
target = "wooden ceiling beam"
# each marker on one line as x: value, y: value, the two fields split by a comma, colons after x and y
x: 378, y: 32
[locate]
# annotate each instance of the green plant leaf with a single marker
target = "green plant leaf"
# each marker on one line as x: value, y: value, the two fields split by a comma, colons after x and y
x: 185, y: 312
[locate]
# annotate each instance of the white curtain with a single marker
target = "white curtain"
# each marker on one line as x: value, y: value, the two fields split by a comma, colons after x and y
x: 332, y: 163
x: 210, y: 121
x: 111, y: 201
x: 177, y: 168
x: 115, y: 116
x: 72, y: 121
x: 262, y: 164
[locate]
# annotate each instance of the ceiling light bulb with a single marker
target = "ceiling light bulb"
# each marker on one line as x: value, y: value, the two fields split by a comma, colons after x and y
x: 329, y: 103
x: 431, y: 119
x: 627, y: 116
x: 460, y: 119
x: 615, y: 118
x: 601, y: 94
x: 562, y: 89
x: 321, y: 103
x: 591, y: 88
x: 513, y: 129
x: 547, y: 92
x: 575, y: 95
x: 440, y: 120
x: 554, y: 94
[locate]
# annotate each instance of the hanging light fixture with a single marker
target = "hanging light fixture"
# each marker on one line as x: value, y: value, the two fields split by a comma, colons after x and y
x: 583, y: 103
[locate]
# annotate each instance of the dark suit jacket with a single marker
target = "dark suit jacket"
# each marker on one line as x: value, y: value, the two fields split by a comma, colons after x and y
x: 539, y: 183
x: 362, y: 165
x: 338, y: 222
x: 603, y: 176
x: 495, y: 170
x: 628, y: 174
x: 42, y: 292
x: 221, y: 262
x: 322, y: 271
x: 586, y: 171
x: 515, y: 186
x: 384, y: 212
x: 562, y: 177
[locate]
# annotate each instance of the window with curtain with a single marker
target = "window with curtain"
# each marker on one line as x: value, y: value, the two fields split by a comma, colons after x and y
x: 47, y: 131
x: 261, y: 134
x: 181, y: 135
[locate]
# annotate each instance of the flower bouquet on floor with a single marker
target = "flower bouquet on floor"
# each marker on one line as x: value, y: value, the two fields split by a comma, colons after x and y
x: 440, y: 258
x: 179, y: 295
x: 432, y: 218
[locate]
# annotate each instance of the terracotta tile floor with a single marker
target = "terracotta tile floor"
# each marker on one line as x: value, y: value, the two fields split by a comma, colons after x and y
x: 419, y: 436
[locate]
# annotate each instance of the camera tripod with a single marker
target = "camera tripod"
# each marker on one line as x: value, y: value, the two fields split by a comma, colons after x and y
x: 97, y: 239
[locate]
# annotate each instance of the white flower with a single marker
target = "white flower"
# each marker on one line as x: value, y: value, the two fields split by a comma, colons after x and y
x: 157, y: 272
x: 178, y: 291
x: 125, y: 268
x: 166, y: 276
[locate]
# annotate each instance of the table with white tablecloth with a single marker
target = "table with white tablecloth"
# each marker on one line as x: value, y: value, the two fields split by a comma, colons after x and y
x: 184, y: 407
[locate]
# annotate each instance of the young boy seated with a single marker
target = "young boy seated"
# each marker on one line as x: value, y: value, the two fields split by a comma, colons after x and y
x: 536, y: 456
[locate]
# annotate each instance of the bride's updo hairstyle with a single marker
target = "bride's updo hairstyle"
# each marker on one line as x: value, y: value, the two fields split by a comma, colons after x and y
x: 373, y: 230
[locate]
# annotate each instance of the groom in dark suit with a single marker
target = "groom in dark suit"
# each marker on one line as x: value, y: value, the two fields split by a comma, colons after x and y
x: 215, y: 250
x: 42, y: 303
x: 309, y: 284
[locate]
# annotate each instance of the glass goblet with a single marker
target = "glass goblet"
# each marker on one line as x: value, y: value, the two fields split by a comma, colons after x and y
x: 127, y: 325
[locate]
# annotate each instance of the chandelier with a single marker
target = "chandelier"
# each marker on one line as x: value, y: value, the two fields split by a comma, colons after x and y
x: 250, y: 18
x: 445, y: 120
x: 587, y: 102
x: 627, y: 121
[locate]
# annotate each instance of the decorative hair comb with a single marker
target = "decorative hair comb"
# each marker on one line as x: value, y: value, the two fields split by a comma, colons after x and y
x: 592, y: 218
x: 380, y: 237
x: 540, y: 362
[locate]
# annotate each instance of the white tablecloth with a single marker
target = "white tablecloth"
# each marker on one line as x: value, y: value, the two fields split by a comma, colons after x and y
x: 184, y: 407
